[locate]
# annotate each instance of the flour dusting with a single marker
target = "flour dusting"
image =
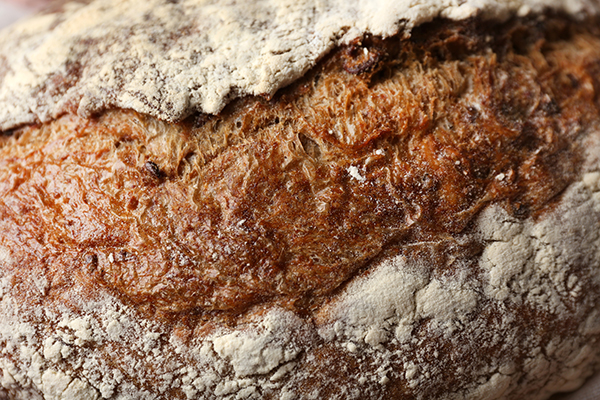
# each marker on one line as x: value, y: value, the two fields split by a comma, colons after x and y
x: 171, y: 58
x: 481, y: 326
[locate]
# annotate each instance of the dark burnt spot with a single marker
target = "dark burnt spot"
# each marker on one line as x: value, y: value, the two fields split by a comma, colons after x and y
x: 472, y: 114
x: 123, y: 256
x: 360, y: 59
x: 133, y: 203
x: 310, y: 146
x: 198, y: 120
x: 91, y: 262
x: 363, y: 55
x: 550, y: 106
x: 573, y: 80
x: 153, y: 169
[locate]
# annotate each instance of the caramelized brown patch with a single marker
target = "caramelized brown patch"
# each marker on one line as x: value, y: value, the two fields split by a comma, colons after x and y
x: 383, y: 144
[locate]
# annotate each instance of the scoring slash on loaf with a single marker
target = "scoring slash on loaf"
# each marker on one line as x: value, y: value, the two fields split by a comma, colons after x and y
x: 232, y: 200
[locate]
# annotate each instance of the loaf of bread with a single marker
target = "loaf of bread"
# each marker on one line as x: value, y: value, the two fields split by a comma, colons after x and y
x: 300, y: 200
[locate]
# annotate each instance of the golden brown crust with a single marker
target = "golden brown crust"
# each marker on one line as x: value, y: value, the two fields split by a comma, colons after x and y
x: 385, y: 143
x: 387, y: 150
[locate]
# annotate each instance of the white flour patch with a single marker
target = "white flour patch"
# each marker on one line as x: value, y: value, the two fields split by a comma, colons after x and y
x: 355, y: 174
x: 365, y: 312
x: 139, y: 54
x: 262, y: 349
x: 5, y: 258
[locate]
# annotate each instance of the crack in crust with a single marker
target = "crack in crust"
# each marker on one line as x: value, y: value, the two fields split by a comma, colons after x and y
x: 383, y: 144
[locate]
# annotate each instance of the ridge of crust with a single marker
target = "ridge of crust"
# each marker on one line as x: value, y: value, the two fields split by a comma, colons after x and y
x: 171, y: 58
x: 285, y: 200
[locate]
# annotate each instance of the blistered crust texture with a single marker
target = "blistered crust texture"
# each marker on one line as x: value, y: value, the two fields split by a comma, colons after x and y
x: 283, y: 201
x: 457, y: 175
x: 525, y: 326
x: 170, y: 58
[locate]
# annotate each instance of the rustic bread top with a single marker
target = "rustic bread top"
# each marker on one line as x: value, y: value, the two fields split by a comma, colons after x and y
x: 418, y: 214
x: 170, y: 58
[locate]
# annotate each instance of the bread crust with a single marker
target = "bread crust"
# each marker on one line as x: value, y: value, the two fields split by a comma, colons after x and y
x: 246, y: 248
x: 170, y: 59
